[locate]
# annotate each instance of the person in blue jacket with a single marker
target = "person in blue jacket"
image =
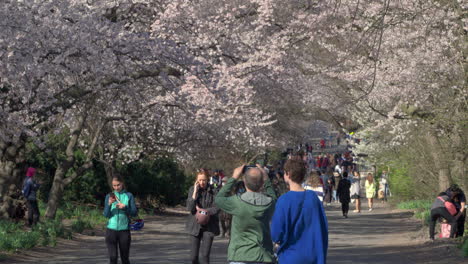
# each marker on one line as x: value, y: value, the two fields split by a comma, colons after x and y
x: 299, y: 226
x: 30, y: 187
x: 119, y: 206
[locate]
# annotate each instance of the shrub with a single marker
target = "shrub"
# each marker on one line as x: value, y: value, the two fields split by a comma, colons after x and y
x: 79, y: 225
x: 465, y: 248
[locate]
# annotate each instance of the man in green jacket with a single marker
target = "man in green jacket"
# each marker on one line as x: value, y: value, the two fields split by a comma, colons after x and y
x: 252, y: 211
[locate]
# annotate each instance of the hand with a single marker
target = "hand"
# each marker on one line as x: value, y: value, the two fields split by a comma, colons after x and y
x: 237, y: 172
x: 111, y: 200
x: 120, y: 205
x: 196, y: 186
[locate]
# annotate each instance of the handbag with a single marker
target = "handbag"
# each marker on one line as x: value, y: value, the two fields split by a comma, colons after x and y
x: 449, y: 206
x: 202, y: 216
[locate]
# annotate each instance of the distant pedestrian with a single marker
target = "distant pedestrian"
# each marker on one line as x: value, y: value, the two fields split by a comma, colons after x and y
x: 328, y: 190
x: 313, y: 183
x: 30, y: 188
x: 118, y: 207
x: 343, y: 193
x: 356, y: 190
x: 370, y: 190
x: 322, y: 143
x: 384, y: 179
x: 337, y: 178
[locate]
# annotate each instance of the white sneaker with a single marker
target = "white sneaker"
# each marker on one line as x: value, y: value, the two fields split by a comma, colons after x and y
x: 370, y: 209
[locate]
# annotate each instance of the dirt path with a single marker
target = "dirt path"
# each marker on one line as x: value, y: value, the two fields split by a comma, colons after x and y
x: 380, y: 236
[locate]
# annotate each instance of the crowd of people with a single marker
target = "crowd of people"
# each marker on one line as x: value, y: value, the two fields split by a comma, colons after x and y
x: 270, y: 214
x: 269, y: 211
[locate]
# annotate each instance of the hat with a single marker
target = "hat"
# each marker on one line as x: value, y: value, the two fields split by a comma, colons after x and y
x: 30, y: 172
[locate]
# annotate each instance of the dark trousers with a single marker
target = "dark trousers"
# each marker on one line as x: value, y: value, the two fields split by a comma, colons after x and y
x: 436, y: 213
x: 122, y: 239
x: 33, y: 212
x: 461, y: 224
x: 345, y: 208
x: 201, y: 243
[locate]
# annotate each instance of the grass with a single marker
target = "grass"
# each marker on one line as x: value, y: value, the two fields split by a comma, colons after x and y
x: 422, y: 209
x: 14, y: 236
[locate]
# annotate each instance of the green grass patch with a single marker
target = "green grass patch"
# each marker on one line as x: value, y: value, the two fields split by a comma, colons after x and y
x: 13, y: 236
x: 415, y: 205
x: 422, y: 209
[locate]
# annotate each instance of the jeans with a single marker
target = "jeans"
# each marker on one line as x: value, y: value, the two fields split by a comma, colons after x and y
x: 334, y: 196
x: 436, y: 213
x: 33, y: 212
x: 122, y: 239
x: 202, y: 243
x: 386, y: 192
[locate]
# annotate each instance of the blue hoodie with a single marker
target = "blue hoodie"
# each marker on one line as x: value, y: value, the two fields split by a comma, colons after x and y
x: 300, y: 227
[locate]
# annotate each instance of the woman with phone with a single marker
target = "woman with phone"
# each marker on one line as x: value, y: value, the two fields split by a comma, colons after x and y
x: 118, y: 207
x: 202, y: 223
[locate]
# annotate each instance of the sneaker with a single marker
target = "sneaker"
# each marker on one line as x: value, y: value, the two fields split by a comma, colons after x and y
x: 355, y: 211
x: 370, y: 209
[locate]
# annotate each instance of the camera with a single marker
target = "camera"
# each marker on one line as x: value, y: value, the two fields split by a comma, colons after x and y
x: 248, y: 167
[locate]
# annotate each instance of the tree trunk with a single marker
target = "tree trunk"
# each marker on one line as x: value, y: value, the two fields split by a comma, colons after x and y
x: 440, y: 162
x: 11, y: 161
x: 56, y: 191
x: 60, y: 182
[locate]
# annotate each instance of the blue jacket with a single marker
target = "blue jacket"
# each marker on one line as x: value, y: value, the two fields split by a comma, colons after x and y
x: 30, y: 189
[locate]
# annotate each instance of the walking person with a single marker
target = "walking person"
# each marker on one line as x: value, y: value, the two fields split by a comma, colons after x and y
x: 299, y: 225
x: 370, y: 190
x: 439, y: 209
x: 328, y: 190
x: 203, y: 222
x: 384, y: 181
x: 251, y: 214
x: 314, y: 183
x: 356, y: 190
x: 337, y: 179
x: 30, y: 187
x: 343, y: 193
x: 118, y: 207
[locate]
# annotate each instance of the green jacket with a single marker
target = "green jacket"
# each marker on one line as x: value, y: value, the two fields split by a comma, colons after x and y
x: 119, y: 218
x: 250, y: 229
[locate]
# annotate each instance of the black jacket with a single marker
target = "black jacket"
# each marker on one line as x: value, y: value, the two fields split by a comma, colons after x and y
x: 205, y: 200
x: 343, y: 190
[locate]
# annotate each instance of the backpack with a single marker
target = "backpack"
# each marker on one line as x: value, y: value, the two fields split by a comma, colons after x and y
x: 449, y: 206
